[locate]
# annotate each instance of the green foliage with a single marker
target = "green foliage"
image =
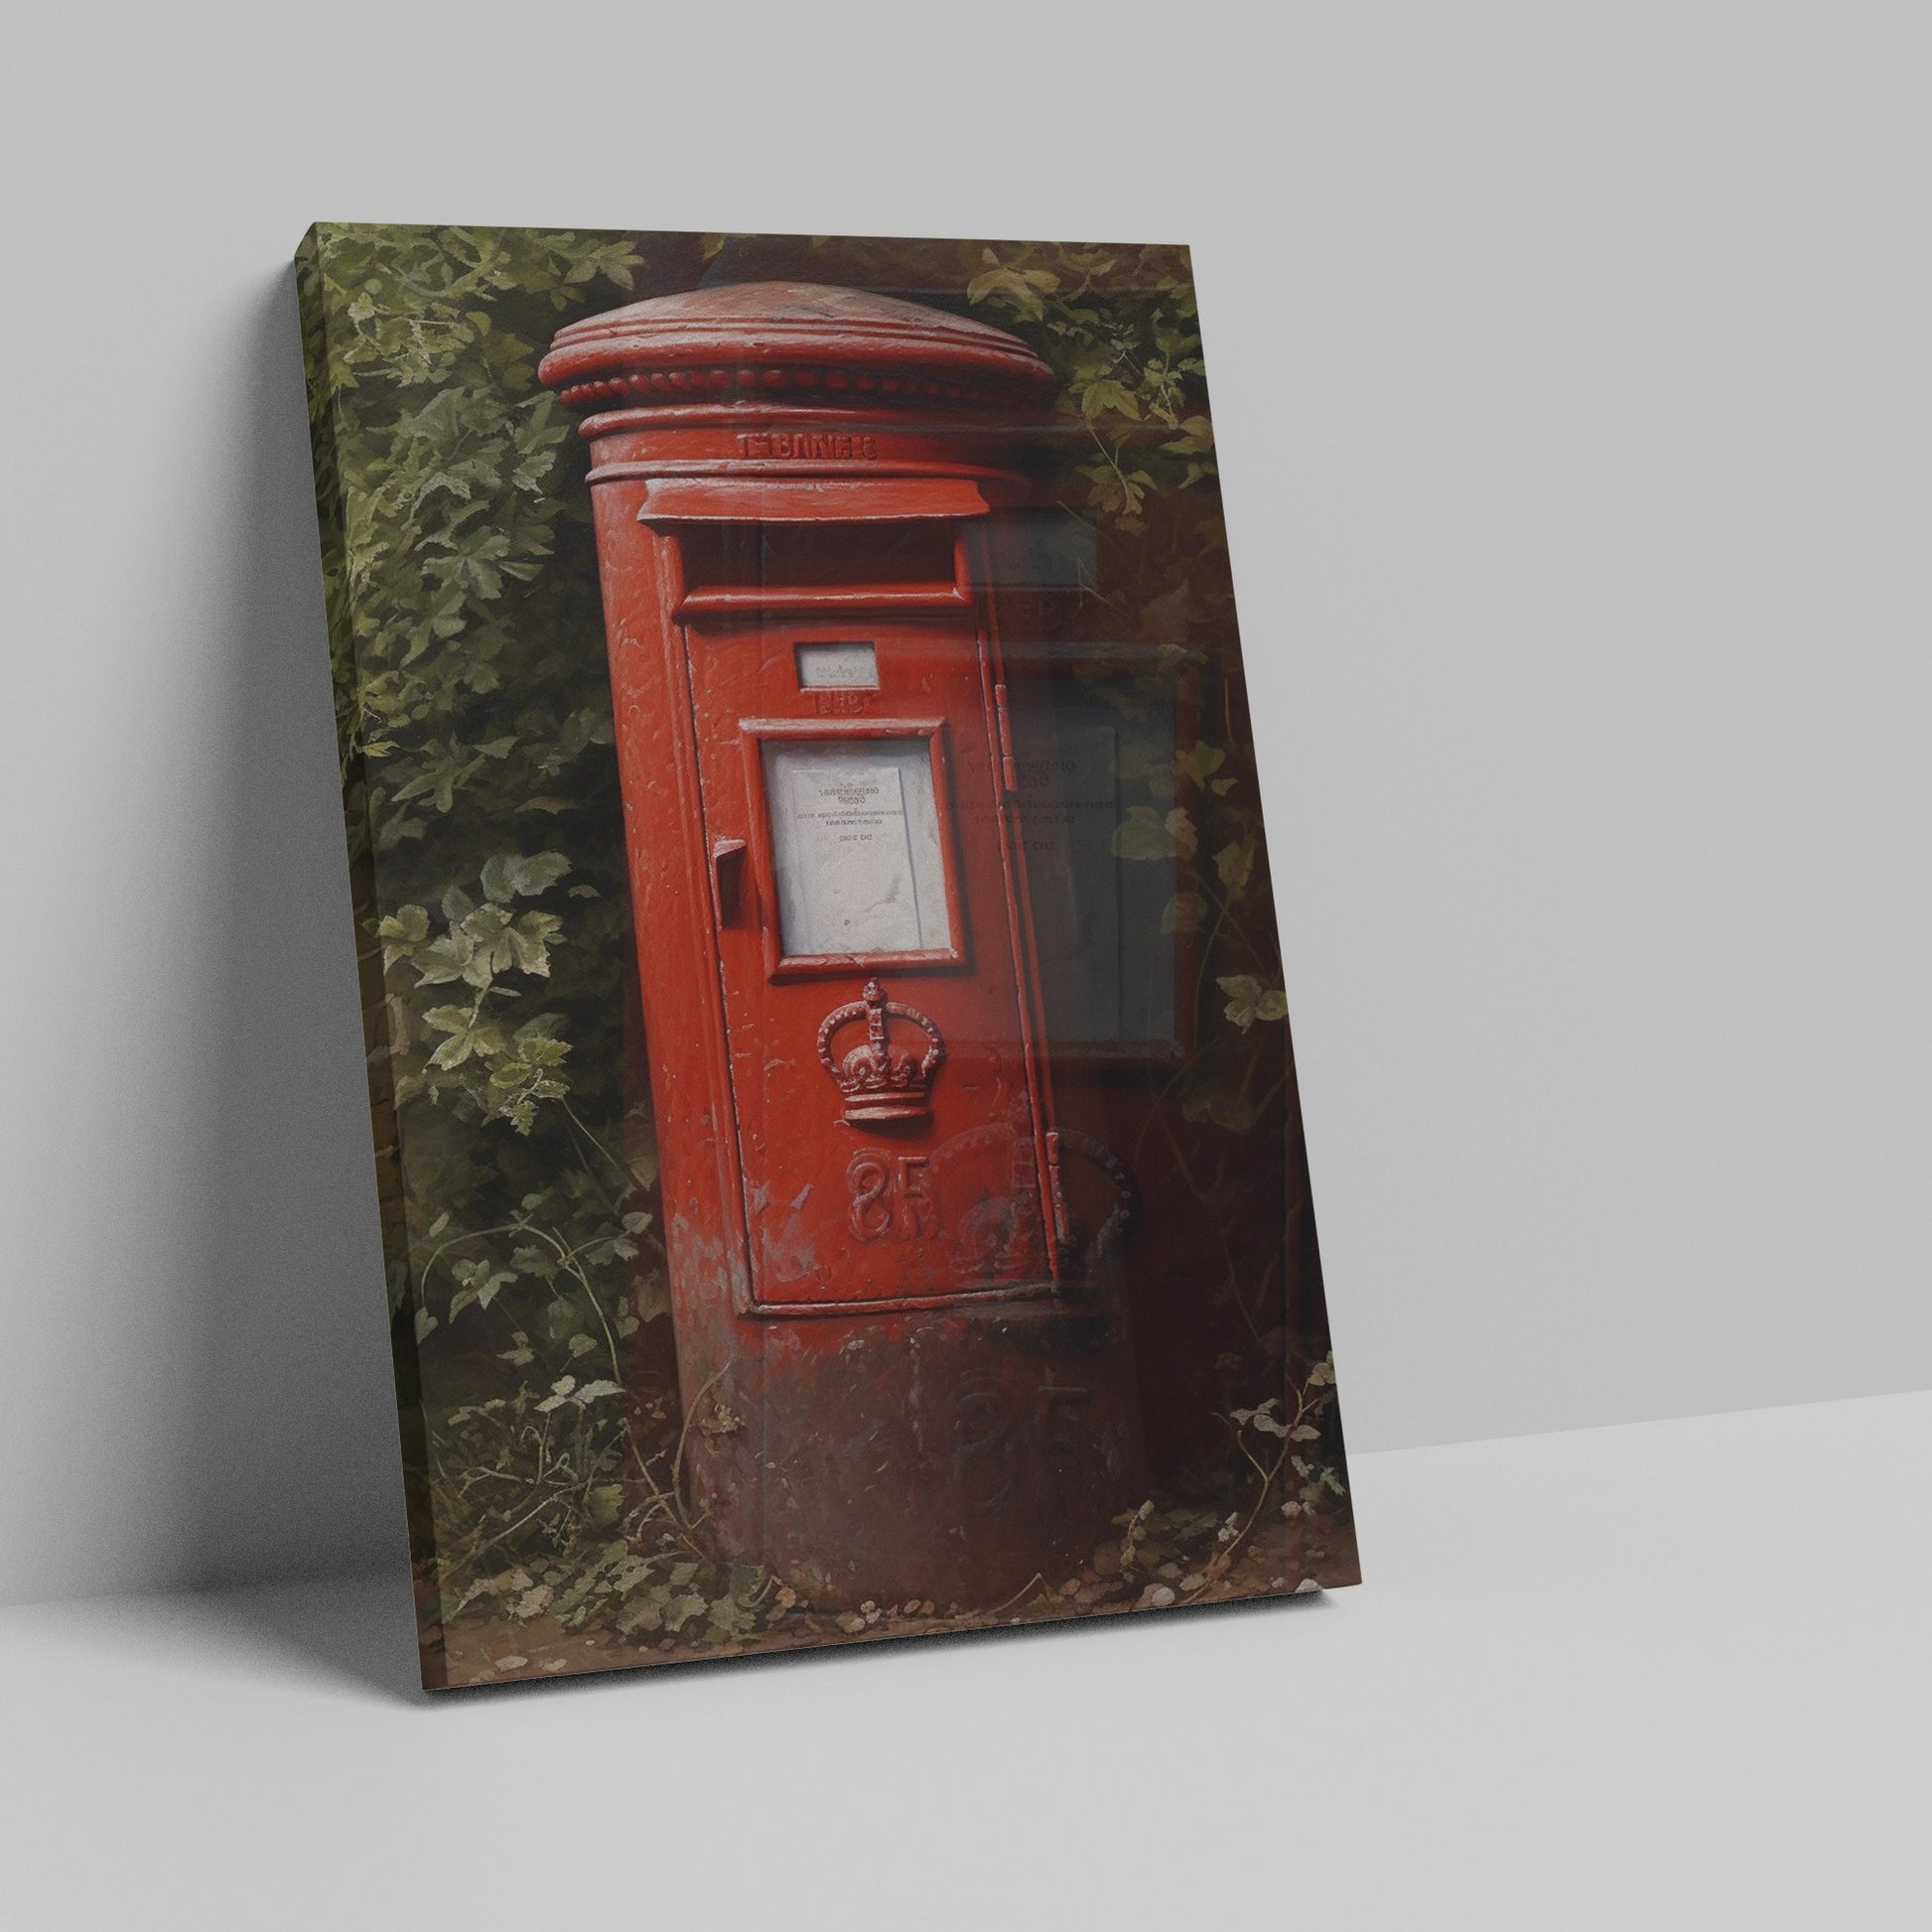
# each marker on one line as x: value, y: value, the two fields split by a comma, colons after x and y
x: 1310, y: 1442
x: 1120, y: 327
x: 1176, y: 1548
x: 616, y: 1547
x: 1249, y: 999
x: 473, y: 724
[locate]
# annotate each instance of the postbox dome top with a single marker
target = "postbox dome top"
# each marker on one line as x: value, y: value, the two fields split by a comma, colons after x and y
x: 793, y: 343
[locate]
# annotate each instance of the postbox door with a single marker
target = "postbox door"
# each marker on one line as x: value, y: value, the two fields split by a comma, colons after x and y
x: 883, y: 1080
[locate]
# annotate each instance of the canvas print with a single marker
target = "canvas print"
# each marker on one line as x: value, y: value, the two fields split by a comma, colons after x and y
x: 841, y: 1170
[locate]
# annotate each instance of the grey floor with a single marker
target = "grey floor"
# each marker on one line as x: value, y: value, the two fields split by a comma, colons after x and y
x: 1659, y: 1676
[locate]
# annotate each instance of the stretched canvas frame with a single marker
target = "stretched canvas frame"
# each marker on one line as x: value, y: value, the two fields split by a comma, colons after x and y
x: 993, y: 464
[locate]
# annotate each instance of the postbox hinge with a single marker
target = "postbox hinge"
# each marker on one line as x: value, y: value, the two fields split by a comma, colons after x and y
x: 1009, y: 771
x: 1062, y: 1222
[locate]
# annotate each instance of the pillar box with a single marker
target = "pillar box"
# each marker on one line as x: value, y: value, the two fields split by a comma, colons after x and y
x: 901, y: 1366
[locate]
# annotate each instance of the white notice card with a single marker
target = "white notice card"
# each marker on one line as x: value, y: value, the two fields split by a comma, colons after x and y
x: 856, y: 873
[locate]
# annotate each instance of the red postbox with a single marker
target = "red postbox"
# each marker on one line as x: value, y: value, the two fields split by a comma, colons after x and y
x: 902, y: 1369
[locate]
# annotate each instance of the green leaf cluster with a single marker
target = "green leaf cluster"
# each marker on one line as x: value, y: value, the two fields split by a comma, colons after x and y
x: 474, y: 726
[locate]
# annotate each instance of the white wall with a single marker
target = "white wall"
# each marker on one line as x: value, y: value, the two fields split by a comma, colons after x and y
x: 1570, y: 374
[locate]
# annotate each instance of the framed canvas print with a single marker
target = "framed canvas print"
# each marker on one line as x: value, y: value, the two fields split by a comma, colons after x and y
x: 840, y: 1162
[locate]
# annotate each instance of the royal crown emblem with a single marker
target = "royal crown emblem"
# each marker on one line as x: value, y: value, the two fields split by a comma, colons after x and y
x: 880, y: 1081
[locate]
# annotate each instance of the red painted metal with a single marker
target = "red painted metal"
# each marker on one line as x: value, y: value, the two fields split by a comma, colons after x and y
x: 900, y: 1379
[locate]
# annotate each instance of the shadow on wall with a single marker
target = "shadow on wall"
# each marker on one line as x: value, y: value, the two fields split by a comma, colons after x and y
x: 287, y: 1459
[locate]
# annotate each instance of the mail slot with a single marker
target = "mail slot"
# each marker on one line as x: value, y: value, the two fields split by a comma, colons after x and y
x: 903, y: 1375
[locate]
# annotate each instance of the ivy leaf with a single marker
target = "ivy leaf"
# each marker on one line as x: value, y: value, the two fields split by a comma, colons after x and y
x: 529, y: 941
x: 486, y: 929
x: 1098, y: 398
x: 468, y: 1034
x: 1249, y: 999
x: 401, y: 933
x: 1200, y: 763
x: 1196, y: 438
x: 681, y: 1609
x: 482, y: 1283
x: 1235, y: 862
x: 443, y: 960
x: 1147, y: 834
x: 505, y: 877
x: 1014, y: 288
x: 1184, y: 914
